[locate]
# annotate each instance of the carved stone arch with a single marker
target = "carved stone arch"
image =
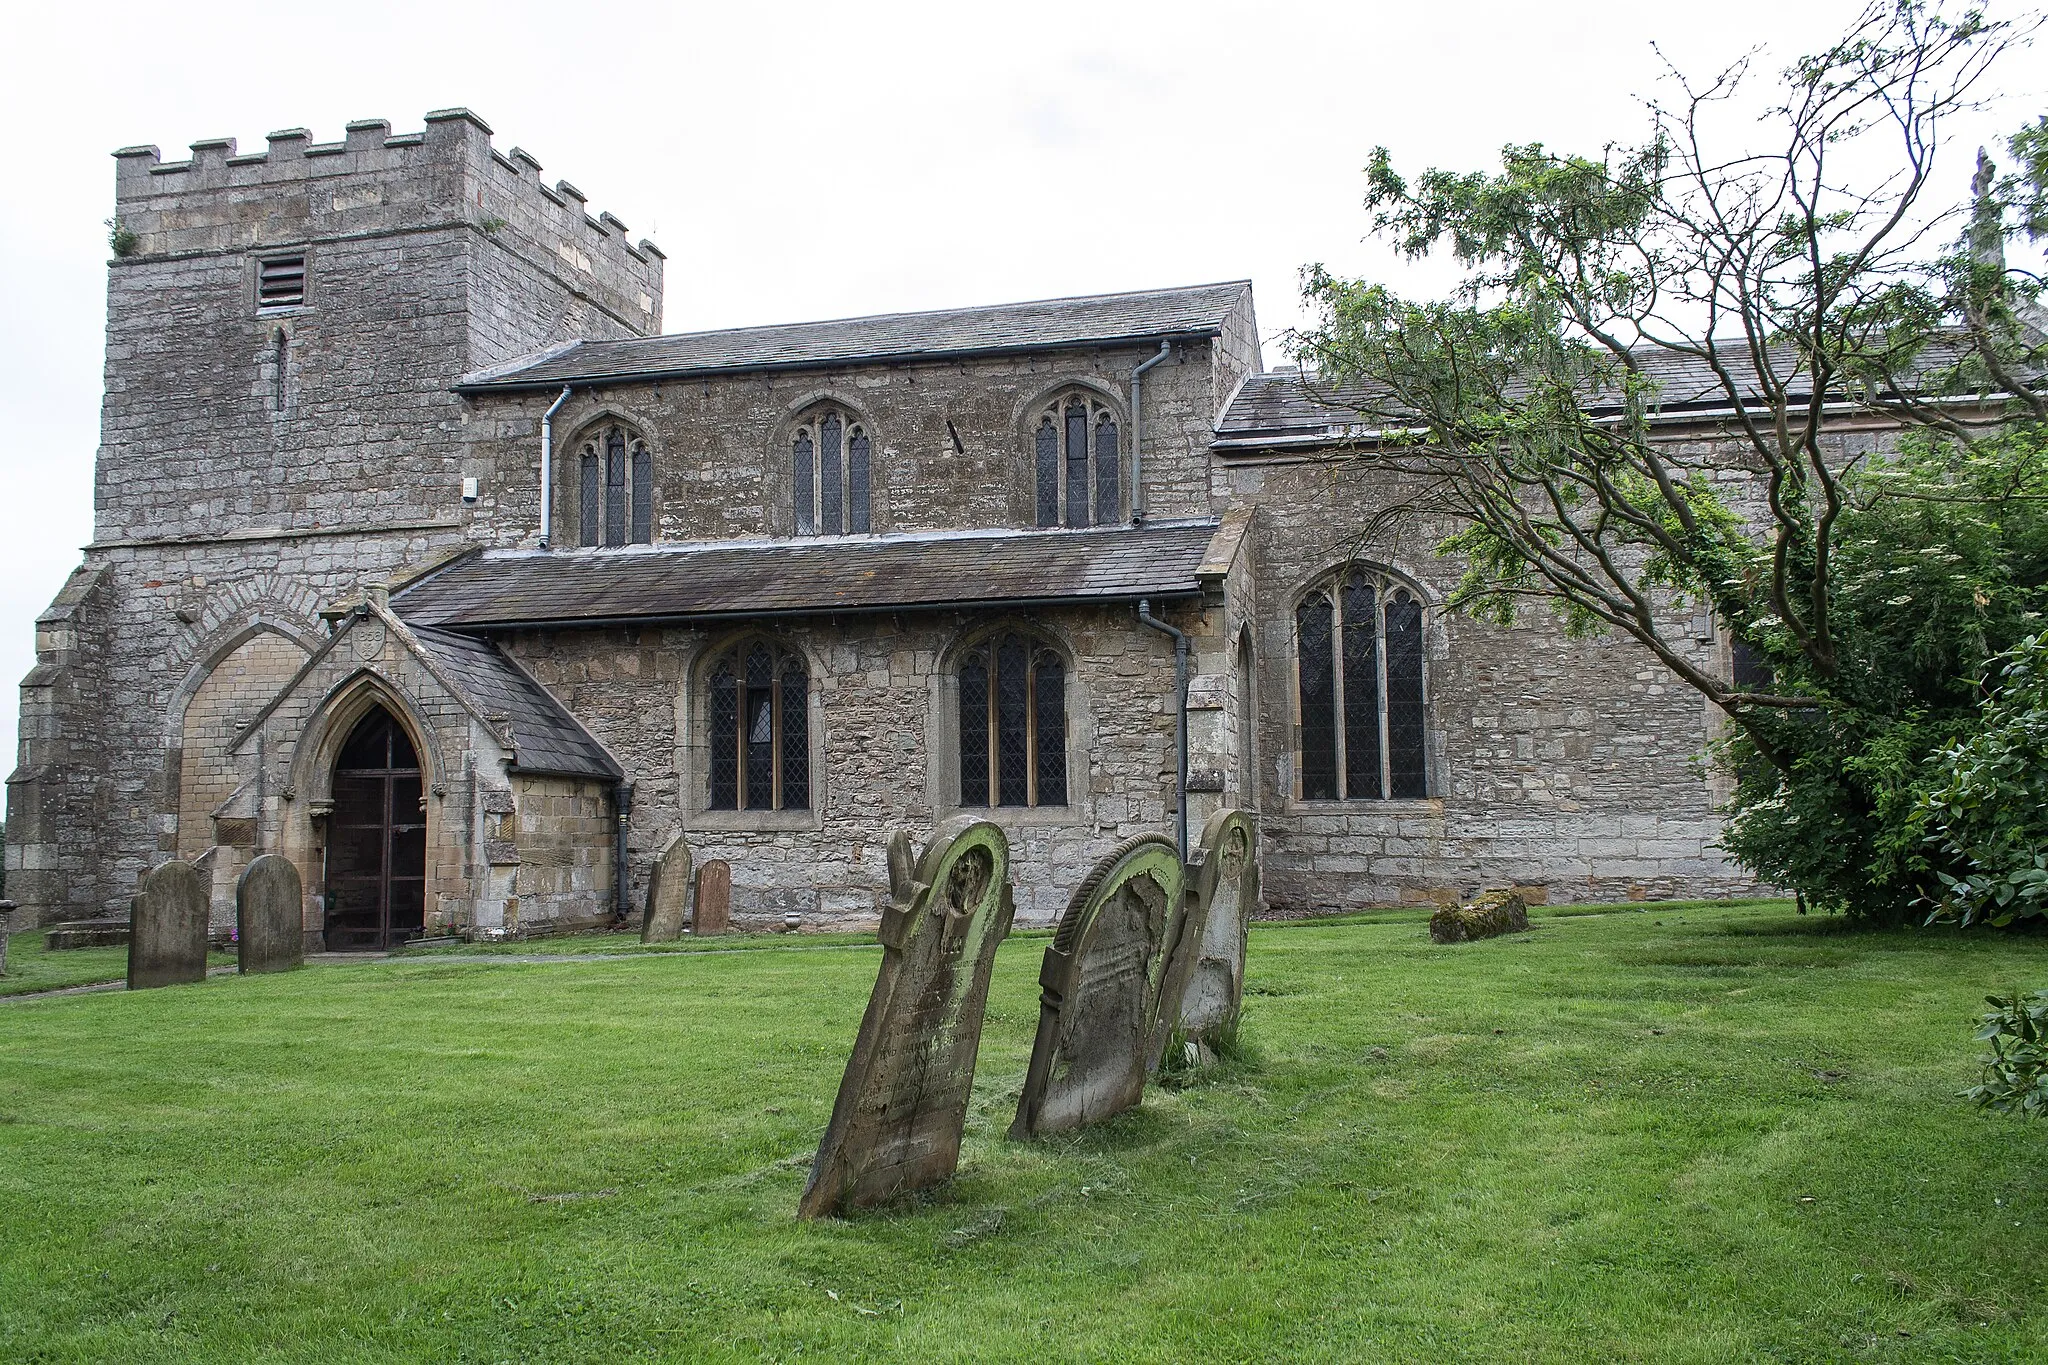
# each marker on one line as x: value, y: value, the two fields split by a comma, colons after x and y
x: 780, y: 512
x: 217, y: 646
x: 1024, y: 415
x: 588, y: 423
x: 329, y: 725
x: 982, y: 631
x: 1333, y: 570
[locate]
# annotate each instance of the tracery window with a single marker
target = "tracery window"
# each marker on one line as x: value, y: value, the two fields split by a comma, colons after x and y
x: 760, y: 733
x: 1013, y: 724
x: 831, y: 470
x: 1363, y: 713
x: 1077, y: 454
x: 615, y: 494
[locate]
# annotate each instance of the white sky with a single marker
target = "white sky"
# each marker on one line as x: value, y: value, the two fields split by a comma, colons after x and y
x: 805, y: 161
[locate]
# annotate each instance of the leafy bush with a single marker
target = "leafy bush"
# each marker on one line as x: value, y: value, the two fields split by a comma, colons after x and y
x: 2016, y: 1068
x: 1987, y: 810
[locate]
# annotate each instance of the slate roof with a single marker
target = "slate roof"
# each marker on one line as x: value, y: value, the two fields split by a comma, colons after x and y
x: 545, y: 737
x: 1044, y: 324
x: 505, y: 588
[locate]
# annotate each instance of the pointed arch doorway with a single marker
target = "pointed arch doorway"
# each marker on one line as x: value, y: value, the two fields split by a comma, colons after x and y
x: 376, y: 839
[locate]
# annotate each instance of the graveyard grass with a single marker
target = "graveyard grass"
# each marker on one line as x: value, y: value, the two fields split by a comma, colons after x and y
x: 1673, y: 1134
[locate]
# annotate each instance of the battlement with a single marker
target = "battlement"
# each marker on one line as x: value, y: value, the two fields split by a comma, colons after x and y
x: 373, y: 181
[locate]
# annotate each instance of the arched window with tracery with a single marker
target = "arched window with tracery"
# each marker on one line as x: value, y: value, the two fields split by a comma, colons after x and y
x: 1013, y: 723
x: 831, y: 458
x: 1364, y: 716
x: 758, y: 716
x: 615, y: 493
x: 1077, y: 450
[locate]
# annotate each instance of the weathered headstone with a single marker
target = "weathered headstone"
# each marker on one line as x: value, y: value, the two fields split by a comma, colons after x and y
x: 1203, y: 986
x: 902, y: 1105
x: 668, y: 893
x: 1098, y: 993
x: 167, y: 945
x: 1495, y: 913
x: 713, y: 913
x: 270, y: 916
x: 6, y: 931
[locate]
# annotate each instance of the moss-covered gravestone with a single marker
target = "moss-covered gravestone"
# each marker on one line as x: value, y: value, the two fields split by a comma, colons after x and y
x: 1204, y: 983
x: 270, y: 916
x: 1098, y: 996
x: 167, y: 938
x: 1493, y: 914
x: 902, y: 1105
x: 668, y: 893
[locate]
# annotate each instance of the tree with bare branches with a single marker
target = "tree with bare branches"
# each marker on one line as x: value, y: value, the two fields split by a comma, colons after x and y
x: 1796, y: 384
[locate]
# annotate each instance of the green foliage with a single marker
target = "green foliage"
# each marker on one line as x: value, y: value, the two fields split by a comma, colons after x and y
x: 2016, y: 1068
x: 120, y: 239
x: 1988, y: 807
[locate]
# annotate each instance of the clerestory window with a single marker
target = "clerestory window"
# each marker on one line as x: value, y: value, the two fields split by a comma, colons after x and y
x: 760, y: 734
x: 1077, y: 452
x: 615, y: 494
x: 1013, y: 724
x: 831, y: 468
x: 1364, y: 716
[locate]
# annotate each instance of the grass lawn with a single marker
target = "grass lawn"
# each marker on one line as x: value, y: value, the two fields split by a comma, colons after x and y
x: 1701, y: 1134
x: 30, y: 968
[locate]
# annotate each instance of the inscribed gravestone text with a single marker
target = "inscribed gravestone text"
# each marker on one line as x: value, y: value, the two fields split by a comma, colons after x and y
x: 902, y: 1105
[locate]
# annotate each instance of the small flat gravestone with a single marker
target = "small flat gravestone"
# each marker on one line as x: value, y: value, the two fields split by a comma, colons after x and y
x: 1493, y: 914
x: 270, y: 916
x: 1098, y: 997
x: 902, y: 1106
x: 668, y: 893
x: 714, y: 898
x: 167, y: 946
x: 1203, y: 984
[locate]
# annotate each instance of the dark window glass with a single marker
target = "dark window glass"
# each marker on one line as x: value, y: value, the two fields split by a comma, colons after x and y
x: 1361, y: 690
x: 615, y: 487
x: 590, y: 497
x: 974, y: 730
x: 1107, y: 461
x: 795, y: 737
x: 1049, y: 710
x: 1749, y: 670
x: 725, y: 729
x: 806, y: 491
x: 759, y: 720
x: 1313, y: 629
x: 857, y: 482
x: 1048, y: 473
x: 829, y: 471
x: 1406, y: 718
x: 1077, y: 464
x: 643, y: 495
x: 1013, y: 726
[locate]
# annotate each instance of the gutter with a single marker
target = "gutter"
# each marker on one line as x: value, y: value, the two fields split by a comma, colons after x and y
x: 1138, y: 455
x: 547, y: 468
x: 1180, y: 698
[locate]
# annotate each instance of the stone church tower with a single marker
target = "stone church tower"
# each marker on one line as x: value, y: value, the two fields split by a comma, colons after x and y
x: 284, y: 329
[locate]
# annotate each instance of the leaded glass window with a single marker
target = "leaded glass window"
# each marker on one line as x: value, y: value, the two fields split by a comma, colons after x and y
x: 1077, y: 463
x: 1364, y: 716
x: 758, y: 716
x: 832, y: 474
x: 615, y: 493
x: 1013, y: 724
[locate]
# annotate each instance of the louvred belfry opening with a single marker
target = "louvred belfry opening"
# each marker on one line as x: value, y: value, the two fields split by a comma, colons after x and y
x: 377, y: 840
x: 280, y: 281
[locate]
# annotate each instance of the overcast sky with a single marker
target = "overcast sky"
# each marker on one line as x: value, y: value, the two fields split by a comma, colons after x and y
x: 809, y: 161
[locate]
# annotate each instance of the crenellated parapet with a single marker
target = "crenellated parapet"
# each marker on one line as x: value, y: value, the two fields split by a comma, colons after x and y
x: 372, y: 182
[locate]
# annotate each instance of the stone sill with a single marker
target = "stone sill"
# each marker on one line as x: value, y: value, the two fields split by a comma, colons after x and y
x: 1035, y: 816
x: 753, y: 821
x: 1428, y: 805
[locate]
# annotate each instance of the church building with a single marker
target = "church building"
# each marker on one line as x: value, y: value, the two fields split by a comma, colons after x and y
x: 423, y: 557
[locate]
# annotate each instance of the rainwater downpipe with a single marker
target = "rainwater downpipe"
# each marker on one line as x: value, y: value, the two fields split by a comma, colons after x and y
x: 547, y: 468
x: 623, y: 799
x: 1138, y: 448
x: 1180, y: 729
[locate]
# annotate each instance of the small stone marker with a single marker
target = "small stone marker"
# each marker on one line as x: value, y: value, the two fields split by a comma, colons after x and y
x: 6, y: 932
x: 270, y: 916
x: 668, y: 893
x: 714, y: 898
x: 1204, y: 988
x: 168, y: 944
x: 1098, y: 995
x: 1495, y: 913
x: 902, y: 1105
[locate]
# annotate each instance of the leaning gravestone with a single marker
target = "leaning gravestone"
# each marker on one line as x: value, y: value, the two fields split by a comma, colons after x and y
x: 270, y: 916
x: 167, y: 945
x: 1098, y: 993
x: 902, y: 1105
x: 1203, y: 986
x: 668, y: 893
x: 714, y: 898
